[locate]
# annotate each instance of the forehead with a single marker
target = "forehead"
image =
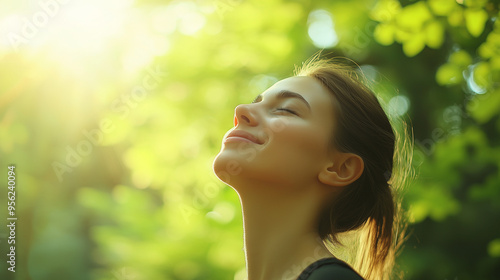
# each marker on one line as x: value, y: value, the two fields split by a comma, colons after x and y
x: 310, y: 88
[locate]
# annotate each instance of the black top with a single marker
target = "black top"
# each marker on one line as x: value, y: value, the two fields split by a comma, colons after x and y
x: 329, y: 269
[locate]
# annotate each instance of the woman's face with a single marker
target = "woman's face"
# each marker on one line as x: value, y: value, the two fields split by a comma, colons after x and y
x: 281, y: 139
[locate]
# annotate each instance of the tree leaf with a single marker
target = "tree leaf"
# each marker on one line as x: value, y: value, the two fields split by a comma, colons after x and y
x: 482, y: 74
x: 461, y: 58
x: 486, y: 50
x: 494, y: 248
x: 385, y: 10
x: 434, y: 34
x: 484, y: 106
x: 442, y: 7
x: 475, y: 20
x: 413, y: 16
x: 456, y: 17
x: 414, y: 45
x: 449, y: 74
x: 384, y: 33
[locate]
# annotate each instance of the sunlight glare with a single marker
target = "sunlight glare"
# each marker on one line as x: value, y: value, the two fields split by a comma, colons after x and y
x: 399, y: 105
x: 87, y: 26
x: 190, y: 20
x: 321, y: 29
x: 471, y: 83
x: 184, y: 17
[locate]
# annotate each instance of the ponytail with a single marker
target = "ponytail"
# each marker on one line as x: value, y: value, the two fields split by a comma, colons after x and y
x: 374, y: 249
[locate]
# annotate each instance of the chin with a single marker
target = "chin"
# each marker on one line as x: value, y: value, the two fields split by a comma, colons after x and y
x: 226, y: 168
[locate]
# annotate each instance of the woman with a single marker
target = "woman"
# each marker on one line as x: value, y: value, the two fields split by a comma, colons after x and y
x: 310, y: 159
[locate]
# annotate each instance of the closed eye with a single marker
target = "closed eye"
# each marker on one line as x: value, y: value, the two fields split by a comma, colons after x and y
x: 287, y: 110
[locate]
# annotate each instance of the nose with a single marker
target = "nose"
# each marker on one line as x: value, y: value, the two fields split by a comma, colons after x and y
x: 243, y: 114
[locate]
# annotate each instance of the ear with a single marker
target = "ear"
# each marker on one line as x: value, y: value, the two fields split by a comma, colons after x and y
x: 343, y: 170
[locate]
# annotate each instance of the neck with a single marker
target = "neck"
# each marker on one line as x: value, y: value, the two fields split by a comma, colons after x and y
x: 280, y: 234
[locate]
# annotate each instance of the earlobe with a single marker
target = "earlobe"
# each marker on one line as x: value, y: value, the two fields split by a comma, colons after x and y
x: 345, y: 170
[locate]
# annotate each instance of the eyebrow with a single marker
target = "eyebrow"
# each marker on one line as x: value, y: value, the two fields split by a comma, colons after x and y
x: 282, y: 94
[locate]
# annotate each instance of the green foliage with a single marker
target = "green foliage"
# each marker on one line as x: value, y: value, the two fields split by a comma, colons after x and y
x: 114, y: 123
x: 451, y: 72
x: 494, y: 248
x: 424, y: 23
x: 475, y: 18
x: 414, y: 26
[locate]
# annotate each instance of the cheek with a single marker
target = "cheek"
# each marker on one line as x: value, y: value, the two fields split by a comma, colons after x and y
x: 292, y: 158
x: 299, y: 146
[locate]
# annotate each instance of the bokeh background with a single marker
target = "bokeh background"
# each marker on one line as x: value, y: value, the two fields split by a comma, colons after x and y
x: 113, y: 110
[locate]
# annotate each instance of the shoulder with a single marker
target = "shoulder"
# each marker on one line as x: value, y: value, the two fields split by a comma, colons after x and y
x: 329, y: 269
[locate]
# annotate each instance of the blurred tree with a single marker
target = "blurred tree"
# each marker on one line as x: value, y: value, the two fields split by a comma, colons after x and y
x: 113, y: 125
x: 455, y: 201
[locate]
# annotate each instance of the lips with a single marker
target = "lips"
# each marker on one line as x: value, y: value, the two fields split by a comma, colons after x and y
x: 240, y: 135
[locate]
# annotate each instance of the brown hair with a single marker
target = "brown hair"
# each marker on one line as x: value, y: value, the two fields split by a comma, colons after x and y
x: 369, y: 204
